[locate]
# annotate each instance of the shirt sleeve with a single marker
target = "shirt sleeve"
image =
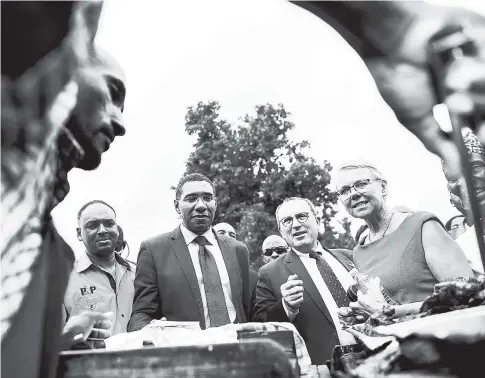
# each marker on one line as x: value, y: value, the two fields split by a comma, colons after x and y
x: 291, y: 314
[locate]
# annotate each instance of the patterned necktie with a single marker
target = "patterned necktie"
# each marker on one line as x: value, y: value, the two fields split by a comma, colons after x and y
x: 331, y: 280
x: 216, y: 303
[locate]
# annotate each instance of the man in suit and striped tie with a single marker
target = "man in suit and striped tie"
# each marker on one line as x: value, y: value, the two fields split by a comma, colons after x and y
x: 307, y: 285
x: 192, y: 273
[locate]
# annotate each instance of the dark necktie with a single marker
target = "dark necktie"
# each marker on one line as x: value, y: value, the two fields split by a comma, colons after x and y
x: 216, y: 303
x: 331, y: 280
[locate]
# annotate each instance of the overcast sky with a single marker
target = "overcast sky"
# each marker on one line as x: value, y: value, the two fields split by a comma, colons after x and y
x: 240, y: 53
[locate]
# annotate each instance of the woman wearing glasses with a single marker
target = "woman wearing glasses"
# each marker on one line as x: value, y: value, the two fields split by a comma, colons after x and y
x: 409, y: 252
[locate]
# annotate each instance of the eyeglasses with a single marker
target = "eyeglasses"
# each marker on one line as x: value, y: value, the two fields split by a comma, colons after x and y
x: 358, y: 185
x: 278, y: 250
x: 300, y: 217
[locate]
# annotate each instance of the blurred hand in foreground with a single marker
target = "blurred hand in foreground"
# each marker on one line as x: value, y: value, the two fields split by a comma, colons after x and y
x: 93, y: 326
x: 404, y: 80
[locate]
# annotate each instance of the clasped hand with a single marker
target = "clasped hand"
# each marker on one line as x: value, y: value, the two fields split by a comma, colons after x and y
x: 292, y: 293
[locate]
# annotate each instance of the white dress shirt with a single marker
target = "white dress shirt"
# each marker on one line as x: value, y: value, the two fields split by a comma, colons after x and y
x: 213, y: 248
x: 342, y: 275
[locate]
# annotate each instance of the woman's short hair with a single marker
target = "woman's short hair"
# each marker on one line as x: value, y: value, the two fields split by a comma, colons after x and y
x: 358, y: 164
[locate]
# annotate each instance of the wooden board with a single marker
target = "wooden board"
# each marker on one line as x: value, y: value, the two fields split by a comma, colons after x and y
x: 245, y: 359
x: 283, y: 338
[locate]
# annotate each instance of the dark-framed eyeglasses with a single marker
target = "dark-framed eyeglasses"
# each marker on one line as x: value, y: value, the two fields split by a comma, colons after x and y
x: 279, y: 250
x: 300, y: 217
x: 360, y: 185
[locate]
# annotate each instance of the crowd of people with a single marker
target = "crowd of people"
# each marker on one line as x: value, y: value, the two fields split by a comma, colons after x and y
x: 62, y: 104
x: 201, y: 272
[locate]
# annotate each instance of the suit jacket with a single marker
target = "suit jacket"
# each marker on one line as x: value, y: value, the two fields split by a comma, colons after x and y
x: 313, y: 321
x: 166, y: 284
x: 253, y: 281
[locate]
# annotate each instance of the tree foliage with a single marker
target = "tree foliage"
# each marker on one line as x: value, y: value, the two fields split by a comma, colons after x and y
x: 254, y: 167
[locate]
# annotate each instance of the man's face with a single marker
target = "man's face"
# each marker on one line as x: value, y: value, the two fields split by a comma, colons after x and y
x: 98, y: 230
x: 273, y: 247
x: 298, y: 225
x: 97, y: 118
x: 197, y: 206
x: 225, y: 229
x: 458, y: 191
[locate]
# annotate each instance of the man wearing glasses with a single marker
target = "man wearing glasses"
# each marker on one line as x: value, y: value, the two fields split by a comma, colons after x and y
x: 308, y: 285
x: 273, y: 247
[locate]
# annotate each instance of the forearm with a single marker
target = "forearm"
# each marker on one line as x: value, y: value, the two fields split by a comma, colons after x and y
x: 291, y: 314
x: 370, y: 27
x: 139, y: 320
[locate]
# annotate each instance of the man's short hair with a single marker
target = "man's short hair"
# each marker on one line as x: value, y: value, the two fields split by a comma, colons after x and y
x: 450, y: 221
x: 190, y: 178
x: 310, y: 203
x: 91, y: 203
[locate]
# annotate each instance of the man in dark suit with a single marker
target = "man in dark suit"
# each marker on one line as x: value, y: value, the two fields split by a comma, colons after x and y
x: 191, y: 273
x: 307, y: 285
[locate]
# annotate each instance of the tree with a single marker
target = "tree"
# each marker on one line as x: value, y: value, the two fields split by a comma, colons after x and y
x: 254, y: 167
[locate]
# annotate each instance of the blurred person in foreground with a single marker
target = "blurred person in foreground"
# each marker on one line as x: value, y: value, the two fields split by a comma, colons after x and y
x: 308, y: 284
x: 273, y: 247
x: 467, y: 239
x: 59, y: 80
x: 408, y: 252
x: 101, y: 279
x: 392, y: 37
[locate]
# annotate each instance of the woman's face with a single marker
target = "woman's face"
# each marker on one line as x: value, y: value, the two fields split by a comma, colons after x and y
x: 360, y: 192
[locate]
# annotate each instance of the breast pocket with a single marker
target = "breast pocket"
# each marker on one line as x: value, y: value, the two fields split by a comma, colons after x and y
x: 88, y: 302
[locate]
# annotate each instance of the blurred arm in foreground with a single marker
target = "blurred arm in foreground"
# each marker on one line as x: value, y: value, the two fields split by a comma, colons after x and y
x: 392, y: 38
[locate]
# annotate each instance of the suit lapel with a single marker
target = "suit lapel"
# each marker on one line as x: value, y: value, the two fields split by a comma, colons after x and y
x: 183, y: 255
x: 234, y: 272
x: 346, y: 263
x: 295, y: 266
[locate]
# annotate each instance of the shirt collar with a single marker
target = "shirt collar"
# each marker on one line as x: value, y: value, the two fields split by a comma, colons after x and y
x: 319, y: 248
x: 189, y: 236
x: 84, y: 262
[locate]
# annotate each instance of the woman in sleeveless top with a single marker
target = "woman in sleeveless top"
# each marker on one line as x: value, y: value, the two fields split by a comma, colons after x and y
x: 409, y: 252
